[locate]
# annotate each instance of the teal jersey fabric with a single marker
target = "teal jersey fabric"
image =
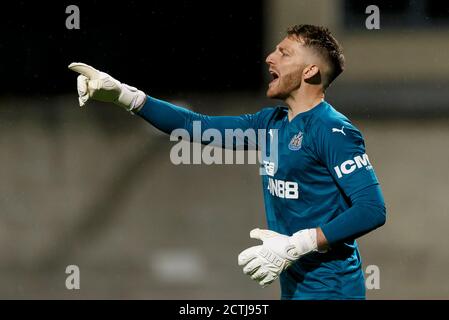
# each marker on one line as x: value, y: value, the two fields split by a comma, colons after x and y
x: 321, y: 177
x: 324, y: 178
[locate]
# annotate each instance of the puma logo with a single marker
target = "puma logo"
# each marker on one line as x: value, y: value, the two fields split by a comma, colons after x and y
x: 339, y: 130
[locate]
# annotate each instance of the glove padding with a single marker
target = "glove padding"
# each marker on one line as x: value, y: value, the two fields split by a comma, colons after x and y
x: 264, y: 263
x: 97, y: 85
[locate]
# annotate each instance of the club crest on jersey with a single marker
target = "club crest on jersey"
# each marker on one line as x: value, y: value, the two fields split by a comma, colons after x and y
x: 296, y: 142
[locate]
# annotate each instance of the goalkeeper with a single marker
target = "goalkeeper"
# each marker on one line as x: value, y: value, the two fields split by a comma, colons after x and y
x: 320, y: 194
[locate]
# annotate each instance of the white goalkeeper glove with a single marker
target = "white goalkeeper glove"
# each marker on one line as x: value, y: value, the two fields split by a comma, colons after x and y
x: 264, y: 263
x: 102, y: 87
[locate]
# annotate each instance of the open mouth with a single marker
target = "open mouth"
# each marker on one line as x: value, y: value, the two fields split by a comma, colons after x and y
x: 275, y: 76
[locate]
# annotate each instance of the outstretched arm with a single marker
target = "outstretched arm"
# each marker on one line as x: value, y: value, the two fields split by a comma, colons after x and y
x: 167, y: 117
x: 97, y: 85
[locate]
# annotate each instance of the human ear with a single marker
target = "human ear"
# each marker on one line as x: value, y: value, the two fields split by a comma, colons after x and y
x: 312, y: 74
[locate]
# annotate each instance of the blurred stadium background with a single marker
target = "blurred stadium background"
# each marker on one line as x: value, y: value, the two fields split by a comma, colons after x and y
x: 96, y: 188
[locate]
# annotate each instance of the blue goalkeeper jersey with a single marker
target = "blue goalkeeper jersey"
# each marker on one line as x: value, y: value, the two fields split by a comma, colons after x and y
x: 321, y: 177
x: 321, y: 163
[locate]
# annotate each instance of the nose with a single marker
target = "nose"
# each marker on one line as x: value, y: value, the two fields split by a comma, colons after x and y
x: 269, y: 59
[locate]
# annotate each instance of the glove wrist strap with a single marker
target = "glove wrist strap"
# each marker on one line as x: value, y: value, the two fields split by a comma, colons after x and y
x: 131, y: 98
x: 305, y: 241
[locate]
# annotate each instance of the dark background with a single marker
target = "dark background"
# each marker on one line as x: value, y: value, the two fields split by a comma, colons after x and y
x: 163, y: 45
x: 399, y: 13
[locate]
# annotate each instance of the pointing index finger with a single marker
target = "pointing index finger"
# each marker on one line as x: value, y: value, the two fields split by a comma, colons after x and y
x: 85, y: 70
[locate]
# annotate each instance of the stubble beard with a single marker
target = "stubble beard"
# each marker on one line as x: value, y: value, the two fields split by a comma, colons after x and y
x: 287, y: 84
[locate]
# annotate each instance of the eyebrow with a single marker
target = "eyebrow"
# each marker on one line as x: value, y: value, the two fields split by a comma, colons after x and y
x: 284, y: 49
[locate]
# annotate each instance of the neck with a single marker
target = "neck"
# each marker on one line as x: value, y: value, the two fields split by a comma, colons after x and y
x: 300, y: 102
